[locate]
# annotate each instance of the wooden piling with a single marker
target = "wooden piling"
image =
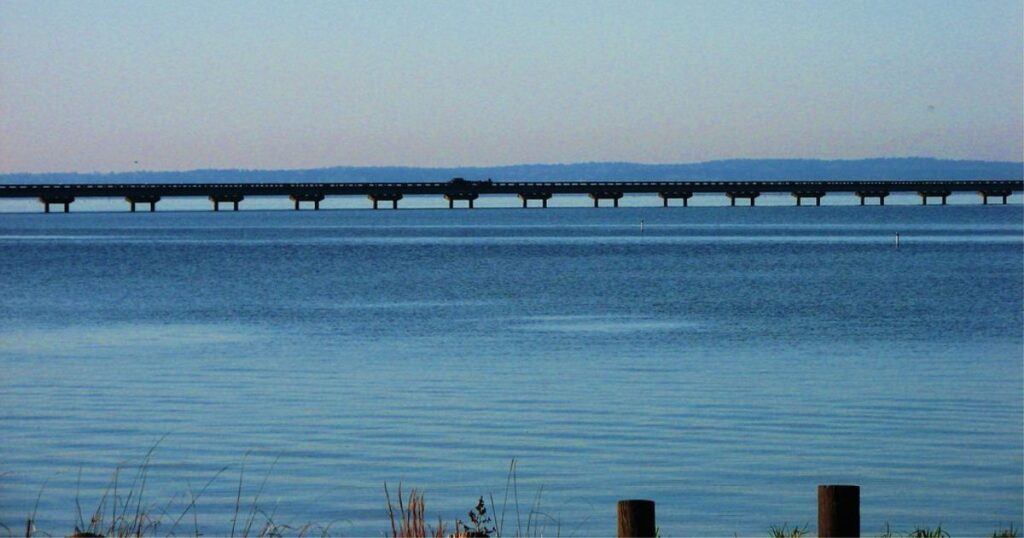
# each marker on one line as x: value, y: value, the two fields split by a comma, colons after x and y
x: 838, y: 510
x: 636, y: 519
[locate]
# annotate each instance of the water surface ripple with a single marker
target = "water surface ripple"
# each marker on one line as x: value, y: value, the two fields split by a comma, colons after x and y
x: 722, y: 361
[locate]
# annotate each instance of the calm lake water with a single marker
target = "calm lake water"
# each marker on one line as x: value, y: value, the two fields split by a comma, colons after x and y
x: 722, y: 361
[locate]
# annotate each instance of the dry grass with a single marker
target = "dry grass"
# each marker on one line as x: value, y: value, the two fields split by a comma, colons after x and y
x: 411, y: 521
x: 122, y: 511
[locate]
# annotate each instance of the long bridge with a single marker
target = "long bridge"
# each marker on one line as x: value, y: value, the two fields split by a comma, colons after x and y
x: 459, y: 189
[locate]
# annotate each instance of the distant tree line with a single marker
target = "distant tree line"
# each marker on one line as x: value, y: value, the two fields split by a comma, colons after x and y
x: 910, y: 168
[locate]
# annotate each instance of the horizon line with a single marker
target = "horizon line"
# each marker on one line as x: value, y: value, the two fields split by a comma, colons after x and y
x: 526, y: 164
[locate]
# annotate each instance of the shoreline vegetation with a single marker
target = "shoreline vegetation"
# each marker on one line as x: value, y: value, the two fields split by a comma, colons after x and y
x: 123, y: 513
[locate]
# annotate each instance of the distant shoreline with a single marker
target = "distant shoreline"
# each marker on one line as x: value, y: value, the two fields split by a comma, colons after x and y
x: 909, y: 168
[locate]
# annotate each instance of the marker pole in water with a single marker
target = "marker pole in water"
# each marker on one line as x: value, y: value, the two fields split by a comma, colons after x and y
x: 897, y: 240
x: 641, y: 225
x: 838, y: 511
x: 636, y: 519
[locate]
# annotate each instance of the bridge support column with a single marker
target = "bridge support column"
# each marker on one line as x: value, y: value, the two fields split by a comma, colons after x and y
x: 233, y: 199
x: 56, y: 199
x: 392, y: 197
x: 933, y: 194
x: 315, y: 197
x: 668, y: 195
x: 467, y: 196
x: 1004, y: 194
x: 881, y: 195
x: 800, y: 195
x: 150, y: 199
x: 614, y: 196
x: 750, y: 195
x: 527, y: 196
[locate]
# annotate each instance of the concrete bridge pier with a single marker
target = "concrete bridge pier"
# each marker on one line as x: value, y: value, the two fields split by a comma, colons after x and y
x: 56, y: 199
x: 542, y: 196
x: 996, y: 194
x: 800, y: 195
x: 468, y: 196
x: 142, y: 199
x: 936, y: 194
x: 684, y: 195
x: 881, y: 195
x: 605, y: 195
x: 218, y: 199
x: 314, y: 197
x: 750, y: 195
x: 393, y: 198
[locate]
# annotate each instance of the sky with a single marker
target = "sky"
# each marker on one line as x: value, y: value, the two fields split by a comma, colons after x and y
x: 99, y: 86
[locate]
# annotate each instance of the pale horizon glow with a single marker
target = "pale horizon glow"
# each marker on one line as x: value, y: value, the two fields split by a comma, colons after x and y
x: 90, y: 86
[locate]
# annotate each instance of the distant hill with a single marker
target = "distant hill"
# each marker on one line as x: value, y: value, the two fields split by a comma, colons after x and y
x: 911, y: 168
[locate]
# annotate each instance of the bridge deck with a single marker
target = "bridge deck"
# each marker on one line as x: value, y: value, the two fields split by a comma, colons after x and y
x: 496, y: 187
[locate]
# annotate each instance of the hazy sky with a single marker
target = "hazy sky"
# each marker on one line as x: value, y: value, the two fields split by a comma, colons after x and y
x: 97, y: 86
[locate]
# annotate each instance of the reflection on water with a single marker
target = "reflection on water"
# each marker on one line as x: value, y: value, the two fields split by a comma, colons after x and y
x: 75, y: 339
x: 603, y: 324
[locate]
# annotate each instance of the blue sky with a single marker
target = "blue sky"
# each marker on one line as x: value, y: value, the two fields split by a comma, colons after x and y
x: 112, y: 86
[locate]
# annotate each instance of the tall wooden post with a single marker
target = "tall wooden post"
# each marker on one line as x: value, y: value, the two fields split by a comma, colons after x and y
x: 636, y: 519
x: 838, y: 511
